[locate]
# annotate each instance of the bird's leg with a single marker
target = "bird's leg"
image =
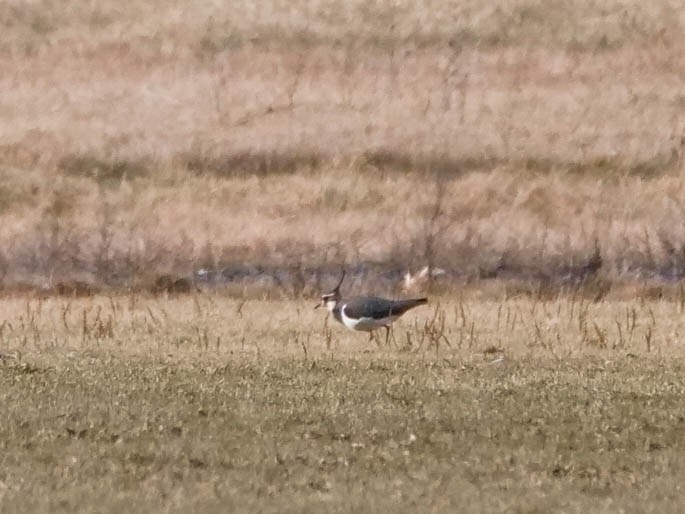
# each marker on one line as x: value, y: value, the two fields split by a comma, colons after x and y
x: 392, y: 334
x: 387, y: 334
x: 373, y: 336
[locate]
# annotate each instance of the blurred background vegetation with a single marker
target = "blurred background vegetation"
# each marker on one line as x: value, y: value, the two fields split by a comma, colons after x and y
x: 271, y: 142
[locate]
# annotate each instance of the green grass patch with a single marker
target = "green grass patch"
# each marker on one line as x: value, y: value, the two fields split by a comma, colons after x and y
x: 373, y: 433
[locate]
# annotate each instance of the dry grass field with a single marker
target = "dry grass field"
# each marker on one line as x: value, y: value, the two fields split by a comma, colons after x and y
x: 169, y: 135
x: 205, y: 403
x: 237, y: 154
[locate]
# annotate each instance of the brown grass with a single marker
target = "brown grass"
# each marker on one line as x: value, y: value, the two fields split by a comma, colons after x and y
x: 266, y: 143
x: 165, y: 137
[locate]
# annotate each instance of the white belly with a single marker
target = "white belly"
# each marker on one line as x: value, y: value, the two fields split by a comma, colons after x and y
x: 366, y: 324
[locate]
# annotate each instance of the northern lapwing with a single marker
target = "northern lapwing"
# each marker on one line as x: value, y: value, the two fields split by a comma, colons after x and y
x: 366, y: 313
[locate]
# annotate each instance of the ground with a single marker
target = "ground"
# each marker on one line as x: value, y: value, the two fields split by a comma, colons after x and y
x: 181, y: 179
x: 208, y: 403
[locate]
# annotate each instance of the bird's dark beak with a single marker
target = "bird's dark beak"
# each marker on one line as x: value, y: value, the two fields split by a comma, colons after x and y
x: 317, y: 306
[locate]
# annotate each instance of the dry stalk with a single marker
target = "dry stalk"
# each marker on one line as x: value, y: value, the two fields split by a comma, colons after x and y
x: 621, y: 342
x: 85, y: 329
x: 304, y: 343
x: 544, y: 343
x: 601, y: 336
x: 239, y: 307
x: 434, y: 329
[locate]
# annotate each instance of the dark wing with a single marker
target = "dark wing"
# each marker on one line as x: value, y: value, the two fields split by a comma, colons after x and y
x: 378, y: 308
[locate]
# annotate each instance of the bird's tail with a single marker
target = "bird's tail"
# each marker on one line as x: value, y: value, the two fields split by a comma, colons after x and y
x: 404, y: 305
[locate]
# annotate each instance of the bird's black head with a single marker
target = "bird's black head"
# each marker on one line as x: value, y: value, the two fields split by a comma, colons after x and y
x: 330, y: 300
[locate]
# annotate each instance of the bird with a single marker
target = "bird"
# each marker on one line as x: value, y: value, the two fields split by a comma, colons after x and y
x: 419, y: 280
x: 366, y: 313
